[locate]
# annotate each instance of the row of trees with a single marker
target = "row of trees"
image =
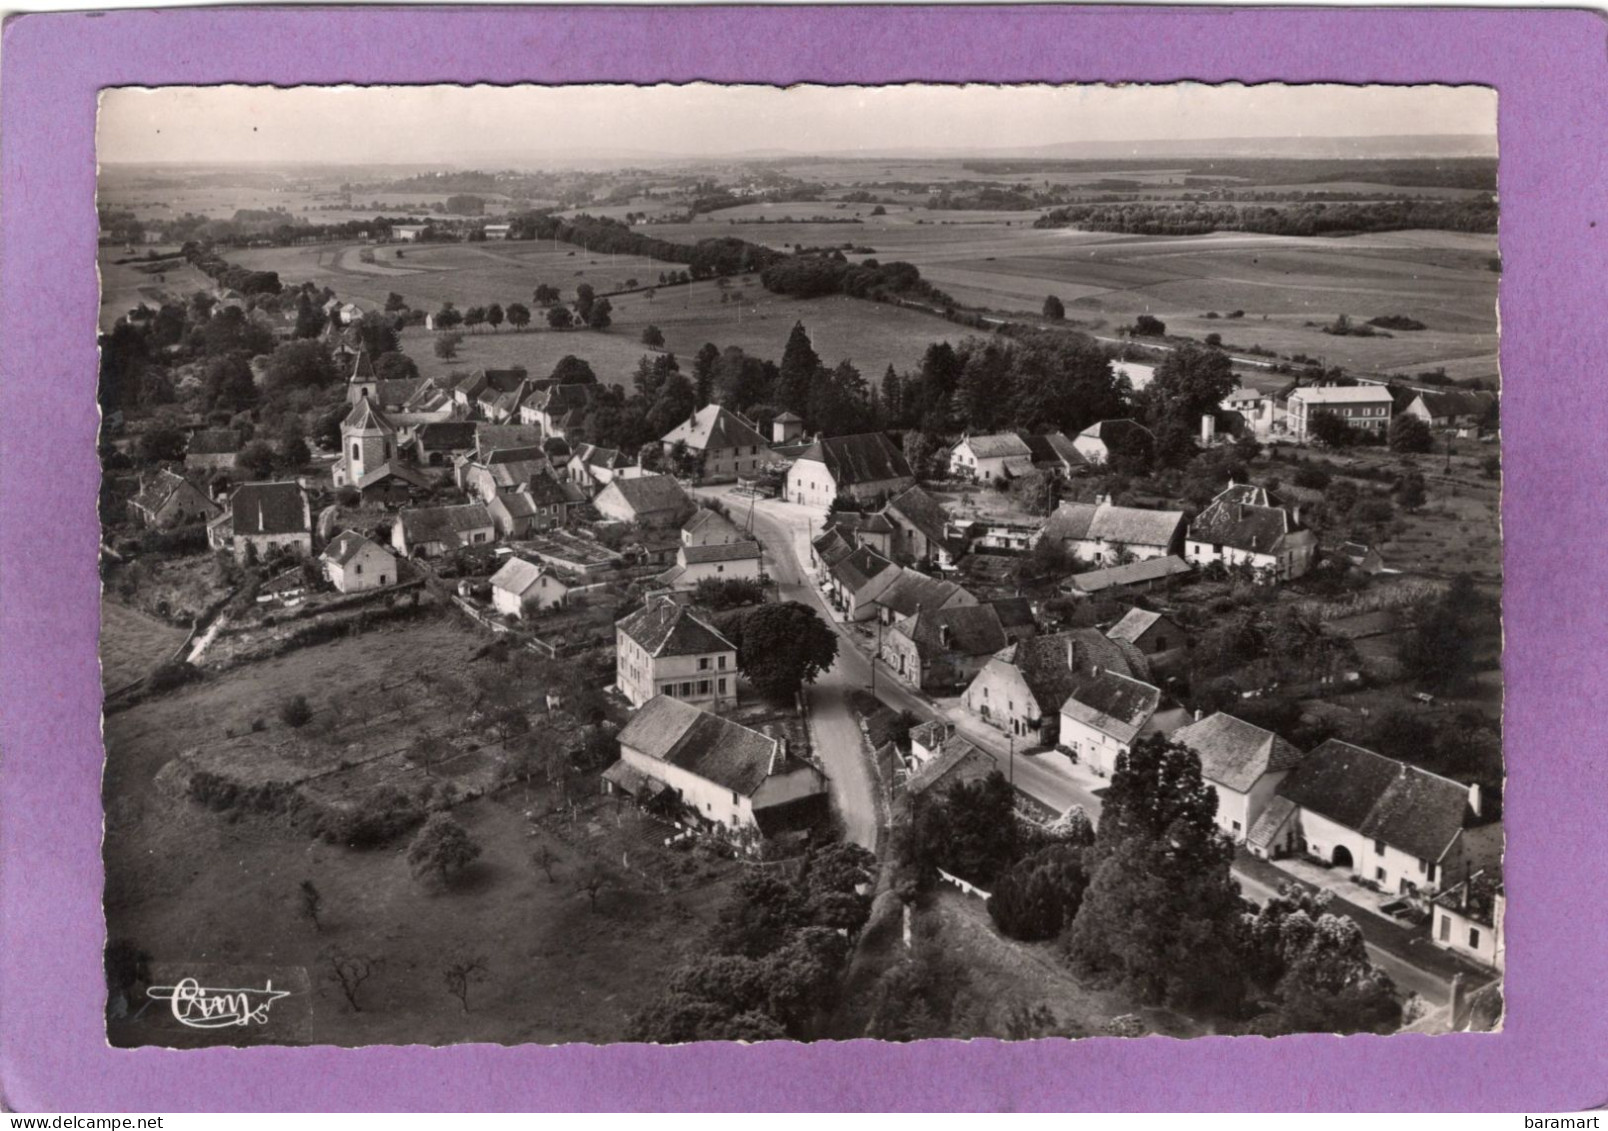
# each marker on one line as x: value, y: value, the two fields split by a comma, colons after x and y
x: 1305, y: 218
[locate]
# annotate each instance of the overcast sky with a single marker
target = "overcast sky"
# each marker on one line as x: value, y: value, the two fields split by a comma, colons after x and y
x: 535, y: 125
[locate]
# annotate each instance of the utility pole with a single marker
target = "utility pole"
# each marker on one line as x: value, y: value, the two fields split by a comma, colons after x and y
x: 1011, y: 771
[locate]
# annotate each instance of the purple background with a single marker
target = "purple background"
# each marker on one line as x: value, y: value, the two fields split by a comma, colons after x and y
x: 1549, y: 67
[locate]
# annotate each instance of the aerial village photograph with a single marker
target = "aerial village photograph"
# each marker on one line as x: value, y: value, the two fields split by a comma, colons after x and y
x: 668, y: 564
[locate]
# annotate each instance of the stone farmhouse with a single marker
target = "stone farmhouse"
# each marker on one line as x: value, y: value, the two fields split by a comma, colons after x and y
x: 1021, y: 688
x: 731, y: 778
x: 1244, y: 764
x: 262, y: 519
x: 355, y: 564
x: 168, y: 499
x: 1106, y: 712
x: 666, y: 649
x: 430, y: 532
x: 1112, y: 535
x: 730, y: 445
x: 944, y: 649
x: 861, y: 467
x: 1246, y: 525
x: 653, y: 500
x: 985, y: 459
x: 1455, y: 409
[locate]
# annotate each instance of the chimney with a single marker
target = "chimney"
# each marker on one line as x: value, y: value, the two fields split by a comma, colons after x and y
x: 943, y: 636
x: 1474, y: 797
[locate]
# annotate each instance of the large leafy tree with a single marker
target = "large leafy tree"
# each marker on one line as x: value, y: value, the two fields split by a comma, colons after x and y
x: 440, y: 847
x: 1317, y: 964
x: 799, y: 369
x: 1190, y: 382
x: 299, y: 364
x: 1162, y: 911
x: 781, y: 647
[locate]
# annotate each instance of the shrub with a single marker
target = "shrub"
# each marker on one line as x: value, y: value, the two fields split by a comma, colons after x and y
x: 377, y: 817
x: 295, y: 711
x: 1313, y: 478
x: 174, y: 673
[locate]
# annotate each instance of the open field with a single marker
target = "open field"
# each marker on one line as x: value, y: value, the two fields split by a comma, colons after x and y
x: 188, y: 884
x: 132, y: 644
x: 125, y: 286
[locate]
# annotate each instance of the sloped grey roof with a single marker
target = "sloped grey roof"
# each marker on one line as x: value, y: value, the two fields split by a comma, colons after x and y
x: 868, y: 457
x: 443, y: 524
x: 912, y: 590
x: 1457, y: 402
x: 1150, y: 569
x: 1111, y: 703
x: 721, y: 552
x: 1134, y: 624
x: 854, y: 569
x: 973, y: 630
x: 997, y: 445
x: 1408, y: 808
x: 713, y: 748
x: 348, y: 545
x: 1235, y: 753
x: 958, y: 760
x: 664, y: 628
x: 1130, y: 526
x: 713, y: 428
x: 270, y: 508
x: 516, y: 575
x: 649, y: 493
x: 921, y: 511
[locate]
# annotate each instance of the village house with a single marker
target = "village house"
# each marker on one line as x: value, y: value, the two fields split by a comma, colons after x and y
x: 429, y: 532
x: 855, y: 580
x: 1112, y: 535
x: 519, y: 588
x: 594, y: 468
x: 408, y: 233
x: 213, y: 449
x: 1248, y: 526
x: 738, y: 780
x: 943, y: 649
x: 921, y: 529
x: 1253, y: 407
x: 728, y: 561
x: 1452, y: 409
x: 729, y: 444
x: 939, y: 756
x: 861, y: 467
x: 1360, y: 556
x: 1098, y: 443
x: 168, y: 499
x: 559, y: 409
x: 710, y: 528
x: 1106, y: 712
x: 1467, y: 918
x: 1021, y: 688
x: 1135, y: 577
x: 1393, y: 826
x: 501, y: 469
x: 1244, y: 765
x: 470, y: 393
x: 1055, y: 454
x: 828, y: 548
x: 1002, y: 455
x: 786, y: 428
x: 666, y: 649
x: 1155, y: 634
x: 354, y: 564
x: 497, y: 231
x: 1361, y: 406
x: 263, y: 519
x: 653, y: 500
x: 910, y: 591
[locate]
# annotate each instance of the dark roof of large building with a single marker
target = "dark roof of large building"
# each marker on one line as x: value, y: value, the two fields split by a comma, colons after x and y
x: 996, y: 445
x: 1053, y: 448
x: 1105, y: 522
x: 855, y: 569
x: 1235, y: 753
x: 913, y: 590
x: 1048, y: 664
x: 957, y: 761
x: 921, y: 511
x: 443, y: 524
x: 1411, y: 809
x: 720, y: 552
x: 1457, y: 402
x: 158, y: 490
x: 214, y: 442
x: 1244, y: 517
x: 714, y: 428
x: 448, y: 435
x: 1111, y: 703
x: 832, y: 547
x: 867, y: 457
x: 270, y: 508
x: 1118, y: 431
x: 1014, y: 612
x: 962, y: 630
x: 664, y: 628
x: 718, y: 750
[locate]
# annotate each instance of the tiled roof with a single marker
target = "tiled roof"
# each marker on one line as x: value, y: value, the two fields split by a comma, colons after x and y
x: 1151, y: 569
x: 1244, y: 517
x: 1408, y: 808
x: 962, y: 630
x: 868, y: 457
x: 214, y: 442
x: 514, y: 504
x: 958, y: 760
x: 1266, y: 829
x: 715, y: 522
x: 443, y: 524
x: 1134, y: 624
x: 391, y: 471
x: 911, y: 590
x: 362, y: 368
x: 366, y: 417
x: 722, y: 552
x: 545, y: 490
x: 1242, y: 395
x: 1127, y: 526
x: 347, y: 545
x: 1014, y: 612
x: 158, y: 490
x: 1115, y: 432
x: 1234, y: 753
x: 1049, y: 663
x: 516, y: 576
x: 270, y: 508
x: 490, y: 437
x: 664, y: 628
x: 996, y: 445
x: 921, y: 511
x: 1111, y: 703
x: 832, y: 547
x: 854, y: 569
x: 714, y: 427
x: 649, y: 493
x: 1054, y: 448
x: 1457, y: 402
x: 929, y: 734
x: 706, y: 745
x: 1343, y: 394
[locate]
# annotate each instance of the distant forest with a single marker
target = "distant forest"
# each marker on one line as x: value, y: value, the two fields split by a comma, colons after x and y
x: 1316, y: 218
x: 1448, y: 172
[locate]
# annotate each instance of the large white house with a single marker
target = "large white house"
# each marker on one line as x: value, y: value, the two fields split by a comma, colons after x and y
x: 985, y: 458
x: 732, y: 561
x: 353, y: 563
x: 729, y: 444
x: 1361, y: 406
x: 862, y: 467
x: 1105, y: 713
x: 520, y: 587
x: 1244, y: 765
x: 666, y: 649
